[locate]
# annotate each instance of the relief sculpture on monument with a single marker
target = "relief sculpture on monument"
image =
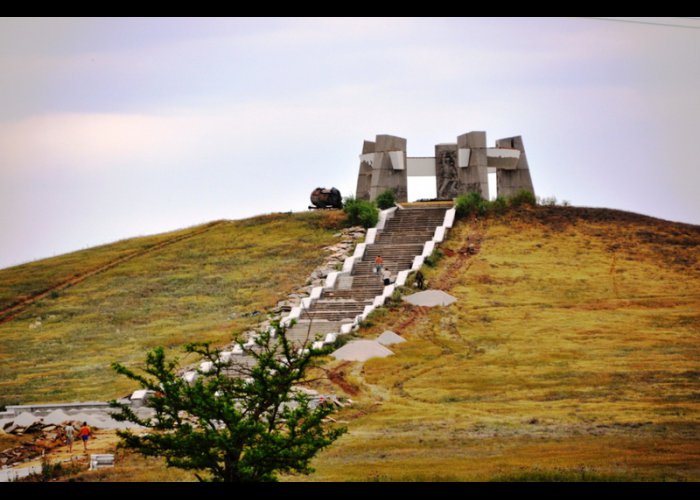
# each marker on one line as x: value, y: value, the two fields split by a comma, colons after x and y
x: 450, y: 185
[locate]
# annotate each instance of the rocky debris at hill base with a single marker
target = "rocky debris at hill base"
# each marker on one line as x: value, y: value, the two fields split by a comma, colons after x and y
x: 336, y: 255
x: 45, y: 437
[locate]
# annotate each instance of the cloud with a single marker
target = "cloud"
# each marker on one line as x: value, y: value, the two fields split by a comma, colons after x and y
x: 196, y: 119
x: 88, y: 141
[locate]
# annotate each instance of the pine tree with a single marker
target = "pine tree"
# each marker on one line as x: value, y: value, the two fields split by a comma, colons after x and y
x: 234, y: 422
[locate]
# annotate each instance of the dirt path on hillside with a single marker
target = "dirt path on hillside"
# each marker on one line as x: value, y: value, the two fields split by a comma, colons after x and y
x: 9, y: 313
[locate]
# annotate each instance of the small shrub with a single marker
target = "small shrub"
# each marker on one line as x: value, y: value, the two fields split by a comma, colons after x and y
x: 470, y: 204
x: 386, y: 200
x: 498, y: 206
x: 523, y: 197
x: 361, y: 212
x: 433, y: 259
x: 565, y: 203
x: 395, y: 300
x: 550, y: 201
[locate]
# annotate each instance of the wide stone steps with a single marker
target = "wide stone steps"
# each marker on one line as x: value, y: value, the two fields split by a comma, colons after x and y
x: 410, y: 226
x: 300, y: 331
x: 403, y: 216
x: 339, y: 305
x: 355, y: 294
x: 433, y: 216
x: 332, y: 315
x: 395, y: 249
x: 401, y: 240
x: 397, y: 240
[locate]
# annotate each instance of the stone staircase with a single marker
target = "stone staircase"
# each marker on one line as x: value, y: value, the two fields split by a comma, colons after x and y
x: 399, y: 242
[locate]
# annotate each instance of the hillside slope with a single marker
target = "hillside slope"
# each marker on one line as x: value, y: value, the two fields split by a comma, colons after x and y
x: 573, y: 352
x: 79, y: 312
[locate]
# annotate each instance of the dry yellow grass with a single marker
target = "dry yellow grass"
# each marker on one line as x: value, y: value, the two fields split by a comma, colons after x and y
x: 572, y: 353
x: 199, y: 289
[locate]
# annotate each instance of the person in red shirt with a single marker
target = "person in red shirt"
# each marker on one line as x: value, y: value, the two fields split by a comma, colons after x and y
x: 378, y: 264
x: 85, y: 433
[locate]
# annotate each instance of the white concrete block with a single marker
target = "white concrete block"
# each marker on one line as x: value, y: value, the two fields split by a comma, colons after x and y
x: 384, y: 215
x: 346, y: 328
x: 388, y: 291
x: 360, y: 251
x: 401, y: 277
x: 330, y: 279
x: 237, y: 349
x: 99, y: 461
x: 371, y: 235
x: 294, y: 313
x: 417, y: 262
x: 397, y: 160
x: 330, y: 337
x: 317, y: 345
x: 503, y: 153
x: 449, y: 218
x: 316, y: 292
x: 225, y: 356
x: 306, y: 303
x: 420, y: 166
x: 348, y: 264
x: 379, y: 300
x: 463, y: 157
x: 428, y: 248
x: 439, y: 235
x: 206, y: 366
x: 139, y: 394
x: 190, y: 376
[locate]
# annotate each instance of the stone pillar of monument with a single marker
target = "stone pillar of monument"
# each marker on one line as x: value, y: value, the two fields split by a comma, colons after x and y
x: 509, y: 182
x: 364, y: 178
x: 389, y: 168
x: 472, y: 160
x: 447, y: 173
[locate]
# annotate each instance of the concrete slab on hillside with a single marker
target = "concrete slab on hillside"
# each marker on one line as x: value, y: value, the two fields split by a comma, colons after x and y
x: 361, y: 350
x: 430, y: 298
x: 389, y: 338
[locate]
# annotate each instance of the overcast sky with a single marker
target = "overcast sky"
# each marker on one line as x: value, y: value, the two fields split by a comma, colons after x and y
x: 127, y: 127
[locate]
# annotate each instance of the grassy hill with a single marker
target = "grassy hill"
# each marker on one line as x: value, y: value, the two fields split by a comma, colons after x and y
x: 67, y: 318
x: 573, y: 352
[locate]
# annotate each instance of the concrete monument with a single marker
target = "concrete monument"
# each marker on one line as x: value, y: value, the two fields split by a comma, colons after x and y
x: 459, y: 168
x: 511, y: 180
x: 364, y: 179
x: 384, y: 163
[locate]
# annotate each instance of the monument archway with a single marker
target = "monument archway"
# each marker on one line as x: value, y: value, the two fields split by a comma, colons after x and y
x: 458, y: 168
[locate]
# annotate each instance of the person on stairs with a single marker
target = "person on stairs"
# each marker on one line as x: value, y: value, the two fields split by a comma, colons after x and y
x: 386, y: 276
x: 378, y: 264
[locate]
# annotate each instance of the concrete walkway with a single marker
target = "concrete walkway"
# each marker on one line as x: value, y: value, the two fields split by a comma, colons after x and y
x: 7, y: 475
